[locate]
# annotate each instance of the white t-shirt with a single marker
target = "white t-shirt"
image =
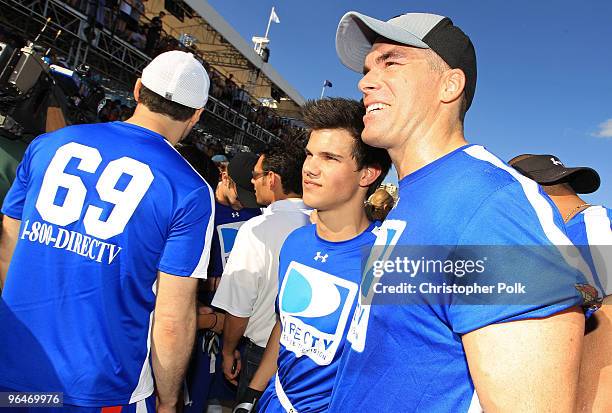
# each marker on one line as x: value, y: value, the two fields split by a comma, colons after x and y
x: 249, y: 284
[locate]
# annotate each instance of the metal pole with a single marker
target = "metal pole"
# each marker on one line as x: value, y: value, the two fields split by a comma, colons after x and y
x: 269, y: 22
x: 322, y: 92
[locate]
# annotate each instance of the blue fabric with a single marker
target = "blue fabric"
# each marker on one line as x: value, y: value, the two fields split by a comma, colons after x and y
x: 318, y: 282
x: 227, y: 223
x: 79, y: 292
x: 577, y: 231
x: 409, y: 357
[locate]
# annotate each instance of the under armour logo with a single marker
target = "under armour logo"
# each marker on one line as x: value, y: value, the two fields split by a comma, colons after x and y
x: 556, y: 162
x: 235, y: 214
x: 323, y: 258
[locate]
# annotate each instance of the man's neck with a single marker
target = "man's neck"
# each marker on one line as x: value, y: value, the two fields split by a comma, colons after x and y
x: 170, y: 129
x: 425, y: 146
x: 343, y: 223
x: 568, y: 205
x: 281, y: 196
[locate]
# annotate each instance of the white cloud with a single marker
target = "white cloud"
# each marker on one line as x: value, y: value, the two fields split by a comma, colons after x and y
x: 605, y: 129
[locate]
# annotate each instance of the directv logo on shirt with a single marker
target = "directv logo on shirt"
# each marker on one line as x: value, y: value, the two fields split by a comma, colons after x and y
x: 314, y: 310
x: 227, y: 237
x: 387, y: 236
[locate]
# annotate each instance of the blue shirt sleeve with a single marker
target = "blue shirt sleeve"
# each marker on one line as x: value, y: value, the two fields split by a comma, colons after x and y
x: 517, y: 235
x: 15, y: 198
x: 187, y: 249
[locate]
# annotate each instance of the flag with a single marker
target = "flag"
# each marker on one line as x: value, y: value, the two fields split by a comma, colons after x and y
x: 274, y: 17
x: 327, y: 84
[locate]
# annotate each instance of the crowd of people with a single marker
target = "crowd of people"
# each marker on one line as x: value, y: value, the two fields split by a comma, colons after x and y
x: 145, y: 278
x: 127, y: 19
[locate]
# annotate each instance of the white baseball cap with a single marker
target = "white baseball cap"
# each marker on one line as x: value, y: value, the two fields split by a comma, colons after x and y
x: 178, y: 77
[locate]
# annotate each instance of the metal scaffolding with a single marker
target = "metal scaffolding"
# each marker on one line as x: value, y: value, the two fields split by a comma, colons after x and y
x: 112, y: 57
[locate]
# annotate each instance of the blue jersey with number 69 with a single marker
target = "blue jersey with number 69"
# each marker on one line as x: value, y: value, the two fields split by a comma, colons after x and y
x: 102, y: 208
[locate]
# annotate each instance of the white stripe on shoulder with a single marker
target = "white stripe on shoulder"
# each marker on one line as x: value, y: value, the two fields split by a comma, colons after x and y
x: 599, y: 234
x: 540, y: 205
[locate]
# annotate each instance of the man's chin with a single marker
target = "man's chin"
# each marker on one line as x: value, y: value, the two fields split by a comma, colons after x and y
x: 373, y: 137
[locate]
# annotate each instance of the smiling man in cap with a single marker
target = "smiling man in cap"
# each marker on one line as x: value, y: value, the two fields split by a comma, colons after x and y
x: 439, y: 353
x: 590, y: 228
x: 109, y: 293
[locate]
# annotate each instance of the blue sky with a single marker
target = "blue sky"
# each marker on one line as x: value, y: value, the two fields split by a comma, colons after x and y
x: 544, y: 68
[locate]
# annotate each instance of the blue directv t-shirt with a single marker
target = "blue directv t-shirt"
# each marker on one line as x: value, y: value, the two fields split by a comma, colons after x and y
x: 102, y: 207
x: 227, y: 223
x: 409, y: 357
x: 591, y: 232
x: 319, y: 281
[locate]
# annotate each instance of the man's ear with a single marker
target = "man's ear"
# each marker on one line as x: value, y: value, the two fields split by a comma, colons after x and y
x: 273, y: 181
x: 369, y: 174
x: 196, y: 116
x: 137, y: 87
x: 452, y: 85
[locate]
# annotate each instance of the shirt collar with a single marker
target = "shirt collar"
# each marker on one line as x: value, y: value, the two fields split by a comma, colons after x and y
x: 289, y: 204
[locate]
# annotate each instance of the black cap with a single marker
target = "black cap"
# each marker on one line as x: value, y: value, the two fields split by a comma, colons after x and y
x: 549, y: 170
x: 240, y: 169
x: 357, y: 32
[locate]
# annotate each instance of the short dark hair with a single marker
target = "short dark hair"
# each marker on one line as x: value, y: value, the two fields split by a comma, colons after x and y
x: 438, y: 65
x: 158, y: 104
x: 347, y: 114
x: 286, y: 158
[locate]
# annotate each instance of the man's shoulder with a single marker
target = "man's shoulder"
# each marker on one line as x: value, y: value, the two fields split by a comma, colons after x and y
x: 475, y: 176
x: 597, y: 219
x: 302, y: 235
x: 487, y: 173
x: 597, y: 211
x: 273, y: 225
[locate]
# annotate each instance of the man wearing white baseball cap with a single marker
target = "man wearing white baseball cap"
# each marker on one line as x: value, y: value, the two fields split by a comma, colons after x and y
x: 419, y: 342
x: 109, y: 293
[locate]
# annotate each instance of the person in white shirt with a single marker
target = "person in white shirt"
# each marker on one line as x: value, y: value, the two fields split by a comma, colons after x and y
x: 249, y: 284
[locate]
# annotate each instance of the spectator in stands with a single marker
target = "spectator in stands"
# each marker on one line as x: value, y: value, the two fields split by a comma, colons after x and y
x: 105, y: 113
x: 228, y: 90
x: 137, y: 11
x: 153, y: 34
x: 115, y: 113
x: 125, y: 11
x: 138, y: 39
x: 126, y: 112
x: 218, y: 85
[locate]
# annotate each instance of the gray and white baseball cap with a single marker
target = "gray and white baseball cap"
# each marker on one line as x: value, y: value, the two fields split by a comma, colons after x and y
x: 357, y: 33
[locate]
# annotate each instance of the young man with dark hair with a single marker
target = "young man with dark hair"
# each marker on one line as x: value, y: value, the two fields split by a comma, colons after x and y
x: 107, y: 230
x: 320, y: 265
x: 249, y: 283
x: 589, y: 227
x: 411, y: 348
